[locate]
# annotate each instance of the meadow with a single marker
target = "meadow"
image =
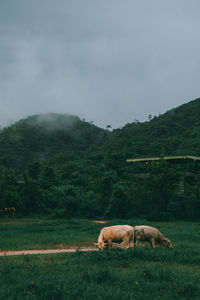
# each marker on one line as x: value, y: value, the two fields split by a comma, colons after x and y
x: 140, y: 273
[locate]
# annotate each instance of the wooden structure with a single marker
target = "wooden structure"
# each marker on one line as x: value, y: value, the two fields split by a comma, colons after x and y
x: 190, y: 165
x: 179, y: 157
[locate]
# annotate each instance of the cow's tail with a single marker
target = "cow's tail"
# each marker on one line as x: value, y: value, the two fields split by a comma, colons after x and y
x: 100, y: 241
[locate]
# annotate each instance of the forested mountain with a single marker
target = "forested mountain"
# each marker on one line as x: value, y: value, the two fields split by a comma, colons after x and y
x: 48, y: 139
x: 177, y: 132
x: 61, y: 165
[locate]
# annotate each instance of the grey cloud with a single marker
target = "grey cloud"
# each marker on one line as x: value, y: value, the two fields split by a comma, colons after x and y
x: 106, y: 61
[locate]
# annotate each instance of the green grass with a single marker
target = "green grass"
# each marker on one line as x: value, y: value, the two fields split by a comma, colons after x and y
x: 140, y: 273
x: 114, y: 274
x: 44, y: 234
x: 20, y: 234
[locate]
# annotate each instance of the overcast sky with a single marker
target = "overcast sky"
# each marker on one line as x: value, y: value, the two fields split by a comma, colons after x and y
x: 108, y: 61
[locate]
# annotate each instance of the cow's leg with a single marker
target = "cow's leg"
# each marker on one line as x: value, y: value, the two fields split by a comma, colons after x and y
x: 153, y: 244
x: 137, y: 242
x: 109, y: 245
x: 131, y: 242
x: 125, y: 243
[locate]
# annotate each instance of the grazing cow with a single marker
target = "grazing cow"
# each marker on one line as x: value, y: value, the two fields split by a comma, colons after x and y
x: 9, y: 211
x: 152, y: 235
x: 120, y: 234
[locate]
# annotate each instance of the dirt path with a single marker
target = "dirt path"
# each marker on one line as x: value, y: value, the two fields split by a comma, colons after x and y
x: 47, y: 251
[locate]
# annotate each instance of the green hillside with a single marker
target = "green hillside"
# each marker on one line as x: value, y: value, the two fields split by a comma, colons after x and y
x: 48, y: 138
x: 177, y: 132
x: 61, y: 165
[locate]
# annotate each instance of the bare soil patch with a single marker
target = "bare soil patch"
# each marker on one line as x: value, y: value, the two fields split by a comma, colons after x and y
x: 46, y: 251
x: 99, y: 222
x: 13, y: 223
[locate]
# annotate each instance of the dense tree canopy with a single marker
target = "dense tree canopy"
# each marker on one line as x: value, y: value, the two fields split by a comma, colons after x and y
x: 58, y: 164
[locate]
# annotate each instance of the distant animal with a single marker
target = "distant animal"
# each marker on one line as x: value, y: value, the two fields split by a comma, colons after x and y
x: 150, y: 234
x: 9, y: 211
x: 120, y: 234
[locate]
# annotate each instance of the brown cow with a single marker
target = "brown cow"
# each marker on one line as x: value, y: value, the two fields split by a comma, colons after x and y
x: 120, y: 234
x: 152, y: 235
x: 9, y: 211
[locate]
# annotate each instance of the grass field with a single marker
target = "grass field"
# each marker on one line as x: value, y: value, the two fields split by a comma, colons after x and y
x: 141, y: 273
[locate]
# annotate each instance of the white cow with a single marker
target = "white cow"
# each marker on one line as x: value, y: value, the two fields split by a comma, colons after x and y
x: 150, y: 234
x: 120, y: 234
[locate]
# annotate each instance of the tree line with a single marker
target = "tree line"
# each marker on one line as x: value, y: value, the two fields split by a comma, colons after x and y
x: 89, y: 191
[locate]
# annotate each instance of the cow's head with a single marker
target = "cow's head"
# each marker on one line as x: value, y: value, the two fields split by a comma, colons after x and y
x: 101, y: 245
x: 166, y: 242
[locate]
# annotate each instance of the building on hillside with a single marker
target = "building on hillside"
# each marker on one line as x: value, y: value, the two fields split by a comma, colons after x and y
x: 188, y: 165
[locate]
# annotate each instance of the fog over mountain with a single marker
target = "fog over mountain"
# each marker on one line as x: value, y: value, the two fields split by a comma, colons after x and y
x: 110, y: 62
